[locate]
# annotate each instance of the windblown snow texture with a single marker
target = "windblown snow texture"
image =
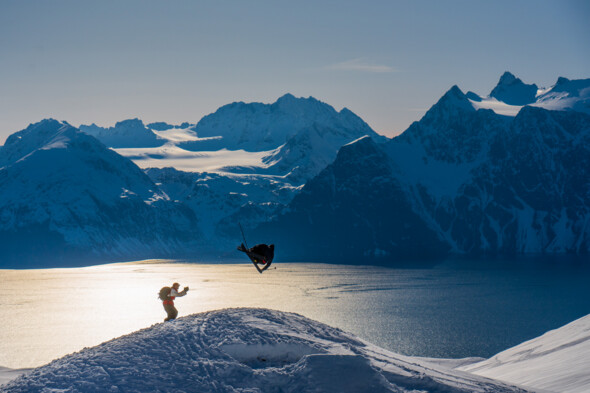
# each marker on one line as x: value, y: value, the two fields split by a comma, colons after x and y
x: 245, y: 350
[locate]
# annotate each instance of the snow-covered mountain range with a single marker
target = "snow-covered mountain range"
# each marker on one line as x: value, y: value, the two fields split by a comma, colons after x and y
x: 239, y: 350
x: 242, y: 163
x: 497, y: 174
x: 66, y: 196
x: 464, y: 179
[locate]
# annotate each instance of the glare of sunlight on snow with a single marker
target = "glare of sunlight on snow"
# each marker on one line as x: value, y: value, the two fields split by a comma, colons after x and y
x: 201, y: 161
x: 499, y: 107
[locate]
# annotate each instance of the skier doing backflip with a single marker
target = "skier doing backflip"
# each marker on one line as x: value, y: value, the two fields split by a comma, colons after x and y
x: 262, y: 254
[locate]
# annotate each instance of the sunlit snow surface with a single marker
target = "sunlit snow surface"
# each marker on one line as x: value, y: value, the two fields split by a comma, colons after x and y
x: 245, y: 350
x: 558, y: 361
x: 499, y: 107
x: 171, y: 155
x: 565, y: 95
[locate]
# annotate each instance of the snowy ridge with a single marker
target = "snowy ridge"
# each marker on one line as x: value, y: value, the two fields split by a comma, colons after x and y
x: 246, y: 161
x: 463, y: 179
x: 238, y: 350
x: 259, y: 127
x: 556, y: 361
x: 460, y: 180
x: 71, y: 198
x: 127, y: 133
x: 202, y: 179
x: 511, y: 95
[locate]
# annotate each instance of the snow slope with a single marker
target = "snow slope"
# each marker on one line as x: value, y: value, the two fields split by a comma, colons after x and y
x: 245, y: 350
x: 557, y: 361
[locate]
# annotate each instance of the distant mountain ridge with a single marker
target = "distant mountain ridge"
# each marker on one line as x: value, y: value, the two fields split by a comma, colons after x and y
x: 127, y: 133
x: 511, y: 94
x: 261, y: 127
x: 461, y: 180
x: 102, y: 206
x: 67, y: 199
x: 513, y: 91
x: 282, y: 146
x: 474, y: 176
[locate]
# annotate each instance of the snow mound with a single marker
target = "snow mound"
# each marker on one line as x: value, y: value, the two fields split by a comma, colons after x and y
x: 557, y: 361
x: 245, y: 350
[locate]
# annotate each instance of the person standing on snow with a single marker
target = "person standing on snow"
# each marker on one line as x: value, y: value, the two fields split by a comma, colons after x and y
x: 169, y: 302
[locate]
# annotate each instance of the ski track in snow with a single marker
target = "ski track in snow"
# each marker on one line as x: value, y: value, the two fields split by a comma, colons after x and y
x: 245, y: 350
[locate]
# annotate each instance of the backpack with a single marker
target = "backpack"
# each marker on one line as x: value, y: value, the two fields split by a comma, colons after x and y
x: 164, y: 292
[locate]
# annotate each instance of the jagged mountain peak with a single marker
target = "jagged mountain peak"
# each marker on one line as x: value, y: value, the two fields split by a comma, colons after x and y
x: 565, y: 95
x: 290, y: 98
x: 513, y: 91
x: 508, y: 78
x: 453, y: 95
x: 574, y: 87
x: 36, y: 136
x: 125, y: 133
x: 301, y: 106
x: 287, y: 97
x: 261, y: 127
x: 561, y: 80
x: 45, y: 127
x: 130, y: 123
x: 453, y: 101
x: 163, y: 126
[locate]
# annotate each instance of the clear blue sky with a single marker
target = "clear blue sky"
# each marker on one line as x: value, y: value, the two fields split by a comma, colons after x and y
x: 174, y: 61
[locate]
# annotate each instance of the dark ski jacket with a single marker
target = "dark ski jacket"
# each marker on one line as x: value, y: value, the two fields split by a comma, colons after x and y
x: 265, y: 251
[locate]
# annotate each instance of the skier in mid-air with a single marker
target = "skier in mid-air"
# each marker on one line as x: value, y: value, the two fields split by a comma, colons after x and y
x: 260, y: 254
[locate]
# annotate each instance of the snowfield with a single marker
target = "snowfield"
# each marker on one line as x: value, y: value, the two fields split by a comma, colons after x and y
x: 558, y: 361
x: 245, y: 350
x: 170, y: 155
